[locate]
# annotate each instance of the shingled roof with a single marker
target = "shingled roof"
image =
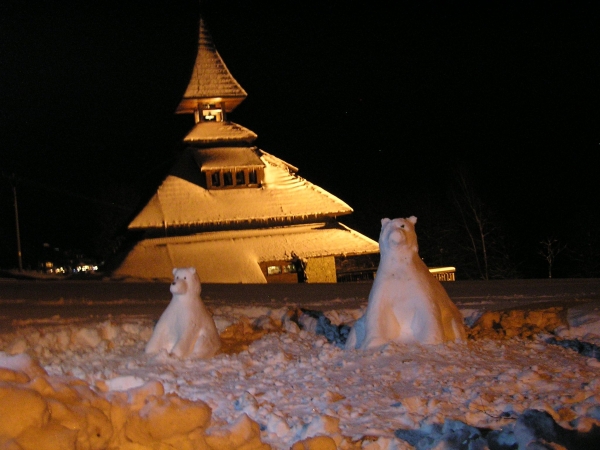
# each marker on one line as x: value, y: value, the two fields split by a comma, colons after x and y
x: 181, y: 200
x: 211, y: 81
x: 234, y: 256
x: 207, y: 133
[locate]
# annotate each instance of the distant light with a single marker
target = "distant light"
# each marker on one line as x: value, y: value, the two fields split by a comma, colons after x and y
x: 442, y: 269
x: 86, y: 268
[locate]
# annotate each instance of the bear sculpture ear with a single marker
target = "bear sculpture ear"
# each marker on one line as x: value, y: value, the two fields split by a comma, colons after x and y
x: 174, y: 270
x: 384, y: 222
x: 412, y: 219
x: 192, y: 269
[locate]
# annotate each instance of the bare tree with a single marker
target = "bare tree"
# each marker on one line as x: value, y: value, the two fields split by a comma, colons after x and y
x: 551, y: 247
x: 472, y: 213
x: 482, y: 235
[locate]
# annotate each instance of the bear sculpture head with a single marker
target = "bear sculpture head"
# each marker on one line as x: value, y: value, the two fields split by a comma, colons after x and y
x: 185, y: 282
x: 398, y: 234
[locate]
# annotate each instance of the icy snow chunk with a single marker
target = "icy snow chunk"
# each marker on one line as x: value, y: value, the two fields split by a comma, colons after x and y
x: 244, y: 433
x: 19, y: 345
x: 246, y: 403
x: 278, y: 425
x: 124, y: 383
x: 167, y: 416
x: 20, y: 409
x: 86, y: 337
x: 23, y: 363
x: 321, y: 425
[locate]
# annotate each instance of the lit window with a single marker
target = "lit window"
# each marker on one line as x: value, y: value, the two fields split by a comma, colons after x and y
x: 289, y: 268
x: 212, y: 113
x: 273, y: 270
x: 226, y: 178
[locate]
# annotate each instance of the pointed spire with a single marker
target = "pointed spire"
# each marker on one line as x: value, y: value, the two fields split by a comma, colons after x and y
x: 211, y: 82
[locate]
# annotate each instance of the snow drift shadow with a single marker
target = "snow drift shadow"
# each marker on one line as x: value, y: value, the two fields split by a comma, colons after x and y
x: 532, y: 429
x: 583, y: 348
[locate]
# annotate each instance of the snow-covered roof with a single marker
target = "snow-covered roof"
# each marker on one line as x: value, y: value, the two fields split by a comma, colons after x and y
x: 222, y: 157
x: 278, y: 204
x: 223, y: 132
x: 182, y: 199
x: 211, y: 81
x: 234, y: 256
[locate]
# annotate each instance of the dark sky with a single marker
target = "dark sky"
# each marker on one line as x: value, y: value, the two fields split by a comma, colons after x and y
x: 376, y: 105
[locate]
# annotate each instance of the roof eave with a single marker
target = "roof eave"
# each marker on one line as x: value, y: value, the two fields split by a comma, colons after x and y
x: 289, y: 220
x: 190, y: 104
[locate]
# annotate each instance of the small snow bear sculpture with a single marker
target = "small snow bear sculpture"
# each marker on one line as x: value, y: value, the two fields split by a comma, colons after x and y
x: 186, y: 328
x: 407, y: 304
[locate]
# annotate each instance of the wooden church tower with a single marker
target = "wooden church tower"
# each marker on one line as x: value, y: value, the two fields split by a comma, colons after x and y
x: 235, y: 212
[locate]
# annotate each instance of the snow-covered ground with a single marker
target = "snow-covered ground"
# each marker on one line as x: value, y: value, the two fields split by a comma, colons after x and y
x: 74, y: 374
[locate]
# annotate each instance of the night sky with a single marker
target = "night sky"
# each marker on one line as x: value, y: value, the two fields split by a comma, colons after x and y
x: 378, y: 106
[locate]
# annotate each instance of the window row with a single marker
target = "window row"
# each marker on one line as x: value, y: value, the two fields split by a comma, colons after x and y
x: 276, y: 270
x: 231, y: 178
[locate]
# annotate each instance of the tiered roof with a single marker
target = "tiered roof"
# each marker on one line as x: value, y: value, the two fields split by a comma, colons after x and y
x: 226, y: 233
x: 284, y: 197
x: 219, y: 133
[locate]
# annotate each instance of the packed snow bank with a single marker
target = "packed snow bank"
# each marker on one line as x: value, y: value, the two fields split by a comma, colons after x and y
x: 40, y: 411
x: 279, y: 382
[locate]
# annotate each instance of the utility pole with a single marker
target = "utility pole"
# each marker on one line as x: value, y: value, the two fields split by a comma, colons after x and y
x: 14, y: 189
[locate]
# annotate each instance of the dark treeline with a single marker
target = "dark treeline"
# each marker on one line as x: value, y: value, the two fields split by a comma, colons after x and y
x: 468, y: 232
x: 463, y: 228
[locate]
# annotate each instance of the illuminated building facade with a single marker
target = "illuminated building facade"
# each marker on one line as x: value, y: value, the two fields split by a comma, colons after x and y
x: 235, y: 212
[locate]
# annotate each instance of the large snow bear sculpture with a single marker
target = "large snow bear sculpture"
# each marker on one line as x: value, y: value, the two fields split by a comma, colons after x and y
x: 407, y: 303
x: 186, y: 328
